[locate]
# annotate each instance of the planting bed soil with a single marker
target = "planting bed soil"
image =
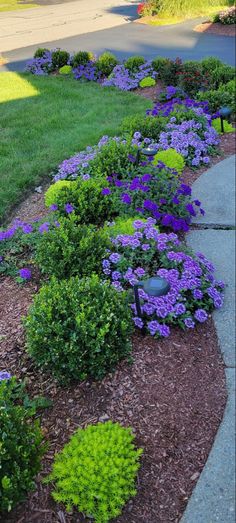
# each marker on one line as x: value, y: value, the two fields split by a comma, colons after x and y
x: 173, y: 395
x: 215, y: 28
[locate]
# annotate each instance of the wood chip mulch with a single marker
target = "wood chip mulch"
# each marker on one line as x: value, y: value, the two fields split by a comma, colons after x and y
x: 216, y: 28
x: 173, y: 395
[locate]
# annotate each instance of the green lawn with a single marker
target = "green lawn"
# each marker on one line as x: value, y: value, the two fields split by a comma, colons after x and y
x: 12, y: 5
x: 45, y: 120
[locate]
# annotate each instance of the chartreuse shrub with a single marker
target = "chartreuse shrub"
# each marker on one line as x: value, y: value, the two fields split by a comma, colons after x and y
x: 96, y: 471
x: 147, y: 82
x: 171, y: 159
x: 69, y: 249
x: 82, y: 58
x: 65, y: 70
x: 148, y: 126
x: 122, y: 225
x: 40, y: 52
x: 21, y: 447
x: 52, y: 195
x: 78, y: 328
x: 133, y: 63
x: 106, y: 63
x: 228, y: 128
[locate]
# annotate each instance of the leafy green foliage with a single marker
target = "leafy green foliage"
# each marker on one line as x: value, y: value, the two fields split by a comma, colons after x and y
x: 224, y: 95
x: 96, y: 471
x: 112, y: 158
x: 40, y: 52
x: 171, y: 159
x: 70, y: 249
x: 221, y: 75
x: 184, y: 7
x: 82, y: 58
x: 133, y: 63
x: 122, y: 225
x: 228, y: 128
x: 59, y: 58
x: 148, y: 126
x: 65, y: 70
x: 170, y: 71
x: 21, y: 446
x: 52, y: 195
x: 106, y: 63
x: 192, y: 78
x: 147, y: 82
x: 159, y: 63
x: 78, y: 328
x: 17, y: 252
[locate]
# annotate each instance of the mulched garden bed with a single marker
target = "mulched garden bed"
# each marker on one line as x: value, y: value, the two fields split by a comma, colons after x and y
x: 173, y: 395
x: 215, y: 28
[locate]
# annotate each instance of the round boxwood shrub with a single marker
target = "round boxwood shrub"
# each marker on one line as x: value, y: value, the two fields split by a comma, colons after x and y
x: 52, y: 195
x: 69, y: 249
x: 96, y: 471
x: 21, y: 447
x: 59, y: 58
x: 106, y: 63
x: 82, y: 58
x: 41, y: 51
x: 133, y: 63
x: 171, y: 159
x: 148, y: 126
x: 147, y: 82
x: 78, y: 328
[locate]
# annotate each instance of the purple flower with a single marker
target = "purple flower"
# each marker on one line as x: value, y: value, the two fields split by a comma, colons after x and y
x: 180, y: 309
x: 116, y: 275
x: 25, y: 274
x: 164, y: 330
x: 145, y: 247
x: 106, y: 191
x: 153, y: 327
x: 115, y: 257
x: 4, y: 375
x: 27, y: 228
x: 125, y: 198
x: 201, y: 315
x: 44, y: 227
x: 138, y: 322
x: 53, y: 207
x: 197, y: 294
x: 189, y: 323
x: 69, y: 208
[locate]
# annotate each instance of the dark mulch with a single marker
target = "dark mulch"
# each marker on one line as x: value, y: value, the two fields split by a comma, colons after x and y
x: 173, y: 395
x: 216, y: 28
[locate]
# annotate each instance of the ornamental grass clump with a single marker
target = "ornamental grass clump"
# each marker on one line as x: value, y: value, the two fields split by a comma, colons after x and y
x: 96, y: 471
x: 171, y: 159
x: 194, y: 292
x: 78, y: 328
x: 21, y: 447
x: 69, y: 249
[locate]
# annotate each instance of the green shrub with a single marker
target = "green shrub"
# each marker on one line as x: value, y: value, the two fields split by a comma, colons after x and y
x: 106, y: 63
x: 65, y: 70
x: 111, y: 158
x: 147, y: 82
x: 96, y: 471
x: 169, y: 73
x: 21, y: 447
x: 71, y: 249
x: 221, y: 75
x: 210, y: 63
x: 228, y: 128
x: 41, y: 52
x: 148, y: 126
x: 122, y: 225
x: 52, y: 195
x: 216, y: 98
x: 171, y: 159
x: 78, y: 328
x: 159, y: 63
x: 192, y: 78
x: 133, y: 63
x: 59, y: 58
x: 82, y: 58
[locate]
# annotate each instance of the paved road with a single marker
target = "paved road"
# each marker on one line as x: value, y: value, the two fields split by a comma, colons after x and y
x: 131, y: 38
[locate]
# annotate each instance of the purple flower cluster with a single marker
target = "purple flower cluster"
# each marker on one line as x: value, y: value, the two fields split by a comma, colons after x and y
x: 193, y: 290
x: 165, y: 109
x: 125, y: 80
x: 40, y: 66
x: 4, y: 375
x: 87, y: 72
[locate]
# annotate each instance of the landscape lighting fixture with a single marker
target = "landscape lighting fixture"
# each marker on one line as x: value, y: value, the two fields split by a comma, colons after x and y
x: 224, y: 113
x: 148, y: 151
x: 154, y: 286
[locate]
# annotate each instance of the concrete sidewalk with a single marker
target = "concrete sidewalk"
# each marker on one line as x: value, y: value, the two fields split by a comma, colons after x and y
x: 44, y: 24
x: 213, y: 499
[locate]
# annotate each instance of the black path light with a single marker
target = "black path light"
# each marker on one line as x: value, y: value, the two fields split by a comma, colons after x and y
x: 155, y: 286
x: 148, y: 151
x: 224, y: 113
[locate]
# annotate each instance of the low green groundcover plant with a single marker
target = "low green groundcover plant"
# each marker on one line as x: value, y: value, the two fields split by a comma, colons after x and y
x: 171, y: 159
x: 69, y: 249
x: 96, y: 471
x: 78, y: 328
x: 228, y: 128
x: 21, y: 446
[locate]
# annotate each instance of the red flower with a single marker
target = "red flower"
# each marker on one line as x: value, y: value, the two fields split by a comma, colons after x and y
x: 140, y: 9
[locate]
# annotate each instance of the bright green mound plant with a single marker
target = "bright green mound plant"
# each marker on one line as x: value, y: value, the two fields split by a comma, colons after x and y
x: 112, y: 157
x: 147, y: 82
x: 171, y: 159
x: 69, y: 249
x: 21, y: 447
x: 106, y: 63
x: 228, y: 128
x: 65, y: 70
x: 52, y: 195
x: 122, y: 225
x: 148, y: 126
x: 96, y: 471
x: 78, y: 328
x: 133, y: 63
